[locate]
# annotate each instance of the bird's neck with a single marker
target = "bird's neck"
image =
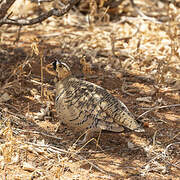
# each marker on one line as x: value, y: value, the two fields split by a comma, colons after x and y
x: 63, y: 84
x: 63, y: 75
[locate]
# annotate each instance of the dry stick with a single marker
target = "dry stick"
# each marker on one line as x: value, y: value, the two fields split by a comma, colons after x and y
x: 112, y: 44
x: 173, y: 137
x: 124, y: 91
x: 38, y: 132
x: 41, y: 1
x: 97, y: 142
x: 4, y: 6
x: 158, y: 156
x: 57, y: 150
x: 174, y: 165
x: 142, y: 15
x: 9, y: 105
x: 19, y: 116
x: 156, y: 108
x: 4, y: 122
x: 18, y: 35
x: 133, y: 35
x: 154, y: 138
x: 114, y: 40
x: 165, y: 153
x: 41, y: 58
x: 48, y: 147
x: 41, y: 18
x: 39, y: 83
x: 95, y: 166
x: 92, y: 139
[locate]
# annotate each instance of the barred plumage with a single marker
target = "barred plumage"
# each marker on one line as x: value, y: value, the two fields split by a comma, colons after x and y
x: 85, y: 106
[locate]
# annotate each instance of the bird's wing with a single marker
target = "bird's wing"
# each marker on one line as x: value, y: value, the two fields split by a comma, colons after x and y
x: 107, y: 111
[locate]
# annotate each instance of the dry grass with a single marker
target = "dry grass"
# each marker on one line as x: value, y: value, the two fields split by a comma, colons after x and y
x: 136, y: 58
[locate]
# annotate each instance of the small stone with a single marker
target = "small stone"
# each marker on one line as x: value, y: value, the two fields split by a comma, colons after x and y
x: 5, y: 97
x: 28, y: 167
x: 147, y: 99
x: 130, y: 145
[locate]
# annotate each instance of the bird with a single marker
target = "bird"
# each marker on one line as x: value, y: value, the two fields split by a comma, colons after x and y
x: 87, y: 107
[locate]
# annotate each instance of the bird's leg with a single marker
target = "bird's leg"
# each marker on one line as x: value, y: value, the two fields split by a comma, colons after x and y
x: 87, y: 136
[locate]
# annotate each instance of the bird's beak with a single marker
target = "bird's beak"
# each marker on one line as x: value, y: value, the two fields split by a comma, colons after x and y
x: 50, y: 70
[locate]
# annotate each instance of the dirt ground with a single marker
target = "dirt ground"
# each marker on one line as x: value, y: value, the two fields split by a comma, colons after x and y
x: 135, y: 59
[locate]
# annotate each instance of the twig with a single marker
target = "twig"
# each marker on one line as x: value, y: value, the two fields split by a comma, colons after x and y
x: 95, y: 166
x: 38, y: 132
x: 139, y: 18
x: 100, y: 177
x: 124, y: 91
x: 9, y: 84
x: 52, y: 12
x: 49, y: 148
x: 4, y: 122
x: 73, y: 154
x: 40, y: 83
x: 154, y: 138
x: 42, y: 75
x: 114, y: 40
x: 142, y: 15
x: 173, y: 137
x: 19, y: 116
x: 178, y: 167
x: 4, y: 6
x: 165, y: 151
x: 134, y: 34
x: 41, y: 1
x: 156, y: 108
x: 18, y: 35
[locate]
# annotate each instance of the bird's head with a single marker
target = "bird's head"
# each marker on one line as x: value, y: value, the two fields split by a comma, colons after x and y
x: 62, y: 69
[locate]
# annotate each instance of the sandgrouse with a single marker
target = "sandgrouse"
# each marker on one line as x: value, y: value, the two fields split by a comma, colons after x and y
x: 87, y: 107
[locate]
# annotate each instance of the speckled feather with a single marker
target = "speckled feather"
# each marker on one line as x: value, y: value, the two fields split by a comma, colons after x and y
x: 83, y: 105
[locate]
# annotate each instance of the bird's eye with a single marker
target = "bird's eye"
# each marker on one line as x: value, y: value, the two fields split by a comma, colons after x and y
x: 60, y: 65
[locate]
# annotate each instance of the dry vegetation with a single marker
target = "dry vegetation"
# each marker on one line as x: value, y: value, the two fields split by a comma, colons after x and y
x: 137, y: 58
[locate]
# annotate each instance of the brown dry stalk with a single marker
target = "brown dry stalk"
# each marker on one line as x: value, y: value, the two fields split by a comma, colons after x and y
x: 74, y: 155
x: 156, y: 108
x: 42, y: 92
x: 4, y: 6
